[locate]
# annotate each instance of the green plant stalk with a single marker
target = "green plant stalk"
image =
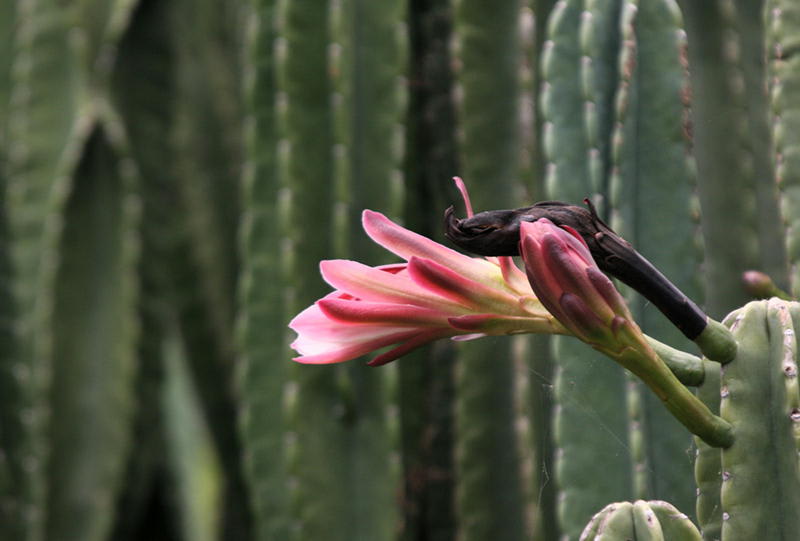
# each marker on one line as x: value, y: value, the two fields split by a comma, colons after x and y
x: 368, y: 66
x: 587, y: 386
x: 145, y: 107
x: 725, y: 196
x: 94, y: 328
x: 783, y: 29
x: 207, y: 139
x: 681, y: 403
x: 752, y: 43
x: 600, y: 43
x: 489, y: 496
x: 7, y: 34
x: 651, y: 194
x: 316, y: 395
x: 195, y: 465
x: 640, y: 521
x: 426, y: 378
x: 48, y: 122
x: 261, y: 333
x: 540, y: 360
x: 688, y: 368
x: 761, y: 479
x: 724, y: 162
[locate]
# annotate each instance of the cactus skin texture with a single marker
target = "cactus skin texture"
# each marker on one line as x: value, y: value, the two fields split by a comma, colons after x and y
x: 640, y: 521
x: 651, y: 186
x: 783, y: 29
x: 489, y: 496
x: 760, y: 476
x: 587, y: 386
x: 366, y: 60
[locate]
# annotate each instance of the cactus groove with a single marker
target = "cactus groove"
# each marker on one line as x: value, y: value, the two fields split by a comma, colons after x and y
x: 751, y: 508
x: 489, y: 501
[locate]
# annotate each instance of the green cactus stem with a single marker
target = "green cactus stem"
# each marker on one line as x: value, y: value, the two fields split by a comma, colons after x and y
x: 367, y: 66
x: 640, y: 521
x: 426, y: 382
x: 48, y: 123
x: 587, y: 386
x: 716, y: 342
x: 687, y: 368
x: 318, y: 398
x: 651, y: 186
x: 262, y: 337
x: 760, y: 474
x: 783, y: 29
x: 489, y: 494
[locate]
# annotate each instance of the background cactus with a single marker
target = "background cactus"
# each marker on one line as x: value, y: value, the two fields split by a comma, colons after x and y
x: 171, y: 173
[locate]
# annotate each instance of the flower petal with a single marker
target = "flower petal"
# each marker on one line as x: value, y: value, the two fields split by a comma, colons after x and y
x: 346, y: 352
x: 371, y: 284
x: 381, y: 313
x: 451, y: 285
x: 413, y: 343
x: 494, y: 324
x: 408, y: 244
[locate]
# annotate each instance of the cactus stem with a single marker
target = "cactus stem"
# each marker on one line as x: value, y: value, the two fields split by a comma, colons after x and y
x: 687, y: 368
x: 681, y: 402
x: 716, y: 342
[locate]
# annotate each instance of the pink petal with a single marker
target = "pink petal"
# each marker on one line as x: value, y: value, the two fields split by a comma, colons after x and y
x: 544, y: 284
x: 581, y: 320
x: 606, y: 288
x: 451, y: 285
x: 355, y: 312
x: 570, y: 272
x: 408, y: 244
x: 464, y: 194
x: 514, y: 277
x: 492, y: 324
x: 415, y: 342
x: 371, y: 284
x: 540, y: 228
x: 316, y: 332
x: 351, y: 351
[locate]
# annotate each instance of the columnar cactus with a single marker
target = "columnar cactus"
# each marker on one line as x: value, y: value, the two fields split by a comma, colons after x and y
x: 640, y: 521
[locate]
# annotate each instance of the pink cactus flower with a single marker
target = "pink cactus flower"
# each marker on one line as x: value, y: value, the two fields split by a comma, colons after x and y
x: 568, y: 282
x: 437, y: 293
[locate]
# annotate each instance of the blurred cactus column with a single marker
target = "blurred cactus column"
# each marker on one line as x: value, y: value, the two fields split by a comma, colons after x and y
x: 723, y: 151
x: 783, y: 35
x: 489, y: 495
x: 727, y: 192
x: 262, y: 335
x: 426, y: 386
x: 367, y: 63
x: 207, y: 134
x: 590, y: 426
x: 9, y: 417
x: 317, y: 410
x: 72, y: 208
x: 652, y: 199
x: 539, y: 371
